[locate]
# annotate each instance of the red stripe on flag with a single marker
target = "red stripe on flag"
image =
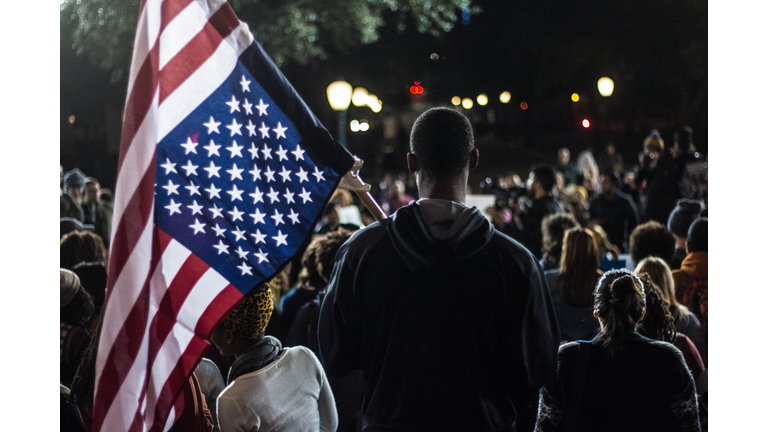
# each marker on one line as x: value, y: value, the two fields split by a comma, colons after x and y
x: 174, y: 385
x: 197, y: 51
x: 132, y: 222
x: 169, y: 10
x: 126, y: 346
x: 214, y: 313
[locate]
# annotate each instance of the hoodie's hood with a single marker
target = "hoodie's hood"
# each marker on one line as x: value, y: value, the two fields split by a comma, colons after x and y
x: 437, y: 233
x: 695, y: 264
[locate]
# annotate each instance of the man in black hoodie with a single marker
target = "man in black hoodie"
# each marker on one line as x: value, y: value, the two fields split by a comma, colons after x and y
x: 450, y: 320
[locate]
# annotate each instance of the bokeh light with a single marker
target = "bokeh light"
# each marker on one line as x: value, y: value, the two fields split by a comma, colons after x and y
x: 605, y: 86
x: 575, y: 97
x: 585, y: 123
x: 71, y: 119
x: 482, y: 99
x: 524, y: 105
x: 354, y: 125
x: 434, y: 56
x: 467, y: 103
x: 456, y: 101
x: 505, y: 97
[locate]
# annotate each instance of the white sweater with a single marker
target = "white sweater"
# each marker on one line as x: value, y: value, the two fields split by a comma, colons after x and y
x: 289, y: 394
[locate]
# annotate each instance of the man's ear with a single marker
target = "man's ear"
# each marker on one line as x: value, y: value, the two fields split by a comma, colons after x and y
x: 474, y: 156
x: 413, y: 163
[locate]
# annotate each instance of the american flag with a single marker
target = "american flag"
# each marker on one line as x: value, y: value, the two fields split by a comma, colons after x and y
x: 223, y: 172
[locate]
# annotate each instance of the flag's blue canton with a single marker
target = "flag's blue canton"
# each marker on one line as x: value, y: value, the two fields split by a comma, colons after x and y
x: 234, y: 186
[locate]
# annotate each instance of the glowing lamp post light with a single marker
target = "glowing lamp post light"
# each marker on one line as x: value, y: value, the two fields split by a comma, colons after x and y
x: 340, y: 96
x: 467, y: 103
x: 482, y: 100
x: 605, y: 86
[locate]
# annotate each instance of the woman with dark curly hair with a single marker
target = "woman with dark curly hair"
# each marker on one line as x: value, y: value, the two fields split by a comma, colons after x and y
x: 620, y: 380
x: 75, y: 314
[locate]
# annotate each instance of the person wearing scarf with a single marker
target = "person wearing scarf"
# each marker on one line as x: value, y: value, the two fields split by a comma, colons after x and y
x: 269, y: 387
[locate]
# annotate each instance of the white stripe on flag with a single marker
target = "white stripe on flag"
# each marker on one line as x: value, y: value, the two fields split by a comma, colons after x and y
x: 205, y: 290
x: 147, y: 30
x: 200, y: 85
x: 181, y: 30
x: 127, y: 400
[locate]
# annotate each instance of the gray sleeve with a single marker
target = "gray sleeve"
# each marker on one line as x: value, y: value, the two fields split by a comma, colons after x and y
x: 211, y: 384
x: 326, y: 404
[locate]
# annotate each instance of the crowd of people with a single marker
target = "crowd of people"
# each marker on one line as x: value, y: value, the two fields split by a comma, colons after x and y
x: 578, y: 301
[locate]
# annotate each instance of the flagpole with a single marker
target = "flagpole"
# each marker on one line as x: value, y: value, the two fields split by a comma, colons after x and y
x: 352, y: 182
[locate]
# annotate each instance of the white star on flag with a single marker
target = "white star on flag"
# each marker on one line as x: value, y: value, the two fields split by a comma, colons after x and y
x: 280, y: 238
x: 262, y: 107
x: 247, y: 105
x: 169, y: 166
x: 212, y: 125
x: 285, y: 174
x: 257, y: 195
x: 234, y: 105
x: 267, y: 152
x: 256, y: 172
x: 245, y: 268
x: 305, y: 195
x: 189, y: 168
x: 280, y: 130
x: 261, y: 256
x: 235, y: 193
x: 239, y: 234
x: 173, y: 207
x: 216, y: 212
x: 235, y: 149
x: 264, y: 129
x: 198, y: 226
x: 241, y: 252
x: 234, y: 128
x: 213, y: 191
x: 270, y: 174
x: 288, y: 196
x: 258, y: 217
x: 294, y: 217
x: 246, y: 84
x: 236, y: 214
x: 193, y: 189
x: 212, y: 148
x: 222, y: 248
x: 273, y: 195
x: 189, y: 146
x: 235, y: 172
x: 278, y: 218
x: 258, y: 237
x: 298, y: 153
x: 318, y: 174
x: 254, y: 151
x: 195, y: 207
x: 213, y: 170
x: 219, y: 231
x: 282, y: 153
x: 171, y: 188
x: 302, y: 175
x: 251, y: 128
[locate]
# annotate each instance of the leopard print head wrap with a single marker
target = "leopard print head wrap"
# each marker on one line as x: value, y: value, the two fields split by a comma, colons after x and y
x: 250, y: 318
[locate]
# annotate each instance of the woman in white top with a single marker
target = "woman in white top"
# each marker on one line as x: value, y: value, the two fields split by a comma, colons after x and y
x: 269, y: 387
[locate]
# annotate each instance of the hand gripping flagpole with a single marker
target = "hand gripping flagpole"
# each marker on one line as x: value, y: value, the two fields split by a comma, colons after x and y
x: 352, y: 182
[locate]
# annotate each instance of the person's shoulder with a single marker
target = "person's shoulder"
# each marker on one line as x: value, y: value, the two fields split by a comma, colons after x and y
x: 512, y: 247
x: 567, y: 352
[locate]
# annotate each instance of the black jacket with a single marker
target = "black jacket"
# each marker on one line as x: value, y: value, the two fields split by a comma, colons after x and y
x: 454, y: 334
x: 618, y: 216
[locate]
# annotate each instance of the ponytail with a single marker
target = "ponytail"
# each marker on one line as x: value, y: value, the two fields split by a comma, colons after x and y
x: 620, y: 301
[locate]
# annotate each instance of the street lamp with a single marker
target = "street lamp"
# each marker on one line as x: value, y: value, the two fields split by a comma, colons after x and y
x: 340, y: 96
x: 605, y: 86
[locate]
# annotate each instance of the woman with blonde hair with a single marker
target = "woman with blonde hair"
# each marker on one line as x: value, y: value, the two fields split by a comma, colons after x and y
x: 685, y: 321
x: 572, y: 284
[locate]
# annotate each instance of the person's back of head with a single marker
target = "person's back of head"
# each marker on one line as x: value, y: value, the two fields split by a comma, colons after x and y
x: 698, y: 236
x: 76, y: 305
x: 553, y: 229
x: 545, y: 175
x: 619, y: 304
x: 683, y: 215
x: 442, y: 139
x: 651, y: 239
x: 658, y: 322
x: 683, y: 138
x: 661, y: 275
x: 81, y: 247
x: 317, y: 261
x: 578, y: 265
